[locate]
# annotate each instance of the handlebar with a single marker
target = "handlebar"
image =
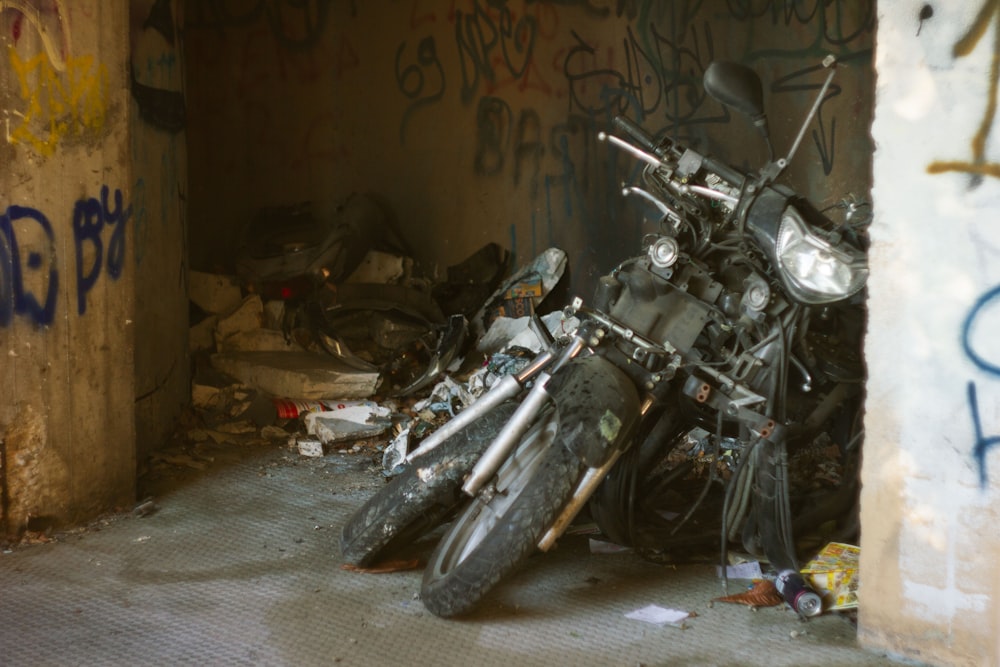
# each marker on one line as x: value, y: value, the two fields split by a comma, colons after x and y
x: 636, y: 134
x: 644, y: 141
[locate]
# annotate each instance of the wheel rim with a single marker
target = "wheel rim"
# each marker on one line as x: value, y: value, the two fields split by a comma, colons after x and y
x: 478, y: 519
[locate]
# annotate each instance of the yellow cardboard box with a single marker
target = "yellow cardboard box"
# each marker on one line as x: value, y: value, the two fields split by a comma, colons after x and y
x: 834, y: 575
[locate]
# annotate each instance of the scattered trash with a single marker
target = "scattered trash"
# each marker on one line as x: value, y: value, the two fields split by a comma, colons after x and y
x: 309, y: 447
x: 523, y: 292
x: 604, y: 547
x: 394, y: 456
x: 444, y: 396
x: 834, y: 575
x: 506, y: 333
x: 385, y: 566
x: 750, y: 570
x: 144, y: 508
x: 660, y: 616
x: 363, y: 419
x: 290, y: 409
x: 318, y: 327
x: 798, y: 594
x: 762, y: 594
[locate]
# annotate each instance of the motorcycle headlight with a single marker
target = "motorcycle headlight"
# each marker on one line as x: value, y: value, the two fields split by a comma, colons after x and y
x: 815, y: 270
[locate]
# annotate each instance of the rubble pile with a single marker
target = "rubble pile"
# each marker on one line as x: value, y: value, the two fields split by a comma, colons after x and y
x: 372, y: 363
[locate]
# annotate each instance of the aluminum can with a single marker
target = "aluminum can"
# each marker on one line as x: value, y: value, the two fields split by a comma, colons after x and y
x: 798, y: 594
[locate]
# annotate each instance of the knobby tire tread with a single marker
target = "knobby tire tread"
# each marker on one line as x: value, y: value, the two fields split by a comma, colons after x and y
x: 511, y: 541
x: 414, y: 503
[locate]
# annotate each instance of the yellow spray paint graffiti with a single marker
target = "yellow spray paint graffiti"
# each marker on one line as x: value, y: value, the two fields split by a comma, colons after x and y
x: 57, y: 105
x: 978, y: 166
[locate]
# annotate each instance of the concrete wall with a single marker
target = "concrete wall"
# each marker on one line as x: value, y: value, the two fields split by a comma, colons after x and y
x: 67, y: 307
x: 930, y: 580
x: 159, y: 239
x: 478, y: 120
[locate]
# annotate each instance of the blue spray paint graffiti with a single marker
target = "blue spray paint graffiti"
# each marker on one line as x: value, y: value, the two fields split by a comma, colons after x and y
x: 983, y: 443
x: 29, y: 275
x: 15, y: 298
x: 89, y: 218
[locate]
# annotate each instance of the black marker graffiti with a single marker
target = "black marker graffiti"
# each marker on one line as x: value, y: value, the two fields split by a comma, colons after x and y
x: 925, y: 13
x: 412, y: 79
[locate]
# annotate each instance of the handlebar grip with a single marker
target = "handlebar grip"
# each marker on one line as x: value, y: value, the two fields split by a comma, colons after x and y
x: 635, y: 133
x: 725, y: 171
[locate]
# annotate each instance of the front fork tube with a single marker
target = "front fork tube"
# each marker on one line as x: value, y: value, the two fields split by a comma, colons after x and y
x: 508, y: 387
x: 519, y: 422
x: 585, y: 489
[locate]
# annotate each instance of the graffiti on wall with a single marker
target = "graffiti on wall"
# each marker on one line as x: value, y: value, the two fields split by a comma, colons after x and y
x: 57, y: 96
x: 977, y: 165
x: 512, y: 62
x: 29, y: 262
x: 983, y: 443
x: 56, y: 105
x: 536, y: 79
x: 47, y: 18
x: 151, y: 76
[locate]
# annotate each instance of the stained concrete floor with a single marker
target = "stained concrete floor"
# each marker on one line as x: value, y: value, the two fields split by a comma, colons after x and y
x: 239, y: 565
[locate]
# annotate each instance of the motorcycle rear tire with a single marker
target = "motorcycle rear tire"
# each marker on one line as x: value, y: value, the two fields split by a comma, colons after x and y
x: 502, y: 526
x: 422, y: 497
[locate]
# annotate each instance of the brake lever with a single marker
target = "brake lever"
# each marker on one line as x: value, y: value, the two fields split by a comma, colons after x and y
x: 648, y: 158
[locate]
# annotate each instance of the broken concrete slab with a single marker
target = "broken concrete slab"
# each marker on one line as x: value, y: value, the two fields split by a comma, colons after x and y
x: 274, y: 314
x: 331, y: 429
x: 310, y: 447
x: 247, y: 317
x: 361, y: 419
x: 299, y: 374
x: 258, y: 340
x: 204, y: 396
x: 202, y: 335
x: 214, y: 293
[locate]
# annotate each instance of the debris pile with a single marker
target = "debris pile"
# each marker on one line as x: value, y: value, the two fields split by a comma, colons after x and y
x: 325, y: 353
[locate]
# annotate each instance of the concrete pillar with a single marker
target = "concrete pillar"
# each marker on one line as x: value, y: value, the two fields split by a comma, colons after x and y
x: 67, y: 268
x: 159, y: 231
x: 930, y: 582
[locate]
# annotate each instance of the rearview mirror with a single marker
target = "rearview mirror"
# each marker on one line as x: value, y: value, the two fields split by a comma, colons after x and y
x: 737, y: 86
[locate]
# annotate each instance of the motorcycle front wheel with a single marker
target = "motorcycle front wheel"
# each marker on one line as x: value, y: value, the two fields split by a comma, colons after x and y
x: 502, y: 525
x: 422, y: 497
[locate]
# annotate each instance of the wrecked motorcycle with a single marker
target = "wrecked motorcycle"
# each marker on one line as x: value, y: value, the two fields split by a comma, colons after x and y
x: 702, y: 373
